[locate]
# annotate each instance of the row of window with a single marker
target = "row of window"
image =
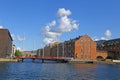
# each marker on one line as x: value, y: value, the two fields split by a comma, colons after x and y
x: 85, y: 56
x: 87, y: 51
x: 85, y: 40
x: 84, y: 44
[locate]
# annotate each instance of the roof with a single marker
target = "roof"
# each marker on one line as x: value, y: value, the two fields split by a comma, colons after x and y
x: 112, y: 42
x: 72, y: 40
x: 8, y: 33
x: 100, y: 42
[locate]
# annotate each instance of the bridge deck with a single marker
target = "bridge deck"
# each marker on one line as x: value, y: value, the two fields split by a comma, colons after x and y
x: 43, y: 57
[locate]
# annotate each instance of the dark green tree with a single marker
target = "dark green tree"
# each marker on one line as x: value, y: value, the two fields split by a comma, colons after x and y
x: 18, y: 53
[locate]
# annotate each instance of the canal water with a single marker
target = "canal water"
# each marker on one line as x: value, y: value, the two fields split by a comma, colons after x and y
x: 58, y: 71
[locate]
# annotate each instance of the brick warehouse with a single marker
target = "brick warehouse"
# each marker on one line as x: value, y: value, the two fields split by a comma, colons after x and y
x: 5, y: 43
x: 82, y: 47
x: 111, y: 46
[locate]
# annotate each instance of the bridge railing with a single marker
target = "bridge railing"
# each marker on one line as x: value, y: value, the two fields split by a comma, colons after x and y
x: 44, y: 57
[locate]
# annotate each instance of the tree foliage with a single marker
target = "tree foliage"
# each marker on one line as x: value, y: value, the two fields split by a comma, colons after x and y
x: 18, y: 53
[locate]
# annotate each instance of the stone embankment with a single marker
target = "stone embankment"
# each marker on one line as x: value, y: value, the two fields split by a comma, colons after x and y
x: 8, y: 60
x: 91, y: 61
x: 104, y: 62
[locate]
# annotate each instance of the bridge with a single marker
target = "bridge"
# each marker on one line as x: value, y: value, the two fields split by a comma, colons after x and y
x: 58, y: 59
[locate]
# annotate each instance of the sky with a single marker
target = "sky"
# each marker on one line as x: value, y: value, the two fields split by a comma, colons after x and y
x: 36, y: 23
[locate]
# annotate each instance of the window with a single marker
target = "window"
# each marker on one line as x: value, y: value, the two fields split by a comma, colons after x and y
x: 88, y: 44
x: 81, y: 50
x: 81, y: 56
x: 89, y: 51
x: 88, y: 40
x: 81, y: 40
x: 81, y: 44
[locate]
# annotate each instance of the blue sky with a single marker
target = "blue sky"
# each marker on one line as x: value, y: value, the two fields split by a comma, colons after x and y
x: 27, y: 20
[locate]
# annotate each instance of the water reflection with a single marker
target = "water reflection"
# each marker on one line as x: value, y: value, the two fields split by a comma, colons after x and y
x: 83, y: 71
x: 58, y: 71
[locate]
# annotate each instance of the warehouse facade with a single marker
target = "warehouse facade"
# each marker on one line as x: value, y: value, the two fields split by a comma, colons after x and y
x: 111, y: 46
x: 82, y: 48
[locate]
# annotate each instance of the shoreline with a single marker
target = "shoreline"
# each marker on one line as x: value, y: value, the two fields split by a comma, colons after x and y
x: 8, y: 60
x: 91, y: 62
x: 71, y: 61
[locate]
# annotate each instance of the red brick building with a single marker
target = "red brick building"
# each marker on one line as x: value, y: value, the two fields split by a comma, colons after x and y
x: 85, y: 48
x: 112, y: 47
x: 5, y: 43
x: 82, y: 48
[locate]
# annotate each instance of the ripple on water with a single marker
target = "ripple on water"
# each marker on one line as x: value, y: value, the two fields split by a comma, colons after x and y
x: 58, y: 71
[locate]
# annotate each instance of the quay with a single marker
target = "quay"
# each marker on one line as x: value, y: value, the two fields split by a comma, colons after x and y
x: 59, y: 60
x: 72, y: 61
x: 8, y: 60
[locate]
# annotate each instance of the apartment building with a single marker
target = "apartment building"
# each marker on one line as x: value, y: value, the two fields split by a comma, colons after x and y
x: 5, y: 43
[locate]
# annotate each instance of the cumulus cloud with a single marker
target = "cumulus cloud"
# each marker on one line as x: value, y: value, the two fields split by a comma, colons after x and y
x: 1, y: 27
x: 67, y: 24
x: 48, y: 40
x: 108, y: 34
x: 50, y: 34
x: 63, y: 12
x: 53, y: 23
x: 57, y: 27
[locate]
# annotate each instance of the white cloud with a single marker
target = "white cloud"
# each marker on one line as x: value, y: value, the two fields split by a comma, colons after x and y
x: 105, y: 37
x: 63, y: 12
x: 95, y: 38
x: 50, y: 35
x: 1, y: 27
x: 48, y: 40
x: 65, y: 24
x: 53, y: 23
x: 18, y: 38
x: 108, y: 34
x: 13, y: 36
x: 21, y: 39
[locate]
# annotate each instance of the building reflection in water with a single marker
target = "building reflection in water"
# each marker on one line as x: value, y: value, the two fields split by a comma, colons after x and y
x: 85, y: 71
